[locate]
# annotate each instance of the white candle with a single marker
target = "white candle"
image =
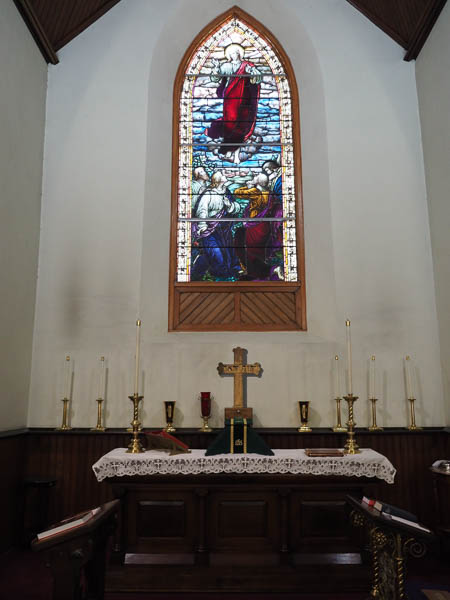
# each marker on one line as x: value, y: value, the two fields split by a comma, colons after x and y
x: 349, y: 359
x: 409, y: 387
x: 67, y: 377
x: 101, y: 378
x: 138, y: 340
x: 337, y: 378
x: 372, y: 377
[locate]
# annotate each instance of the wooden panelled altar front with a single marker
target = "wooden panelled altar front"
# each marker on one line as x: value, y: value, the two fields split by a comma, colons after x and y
x: 279, y: 529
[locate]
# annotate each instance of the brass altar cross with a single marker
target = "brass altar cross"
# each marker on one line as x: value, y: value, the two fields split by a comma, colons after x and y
x: 238, y: 370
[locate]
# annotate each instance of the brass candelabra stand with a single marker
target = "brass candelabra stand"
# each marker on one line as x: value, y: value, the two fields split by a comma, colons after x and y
x: 413, y: 426
x: 339, y: 427
x: 64, y: 424
x: 135, y: 446
x: 374, y: 426
x: 351, y: 447
x: 99, y: 427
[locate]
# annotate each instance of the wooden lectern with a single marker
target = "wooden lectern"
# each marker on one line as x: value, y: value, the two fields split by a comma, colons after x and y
x: 77, y: 551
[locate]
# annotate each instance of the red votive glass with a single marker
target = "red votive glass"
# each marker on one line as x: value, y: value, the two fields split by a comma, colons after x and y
x: 205, y: 402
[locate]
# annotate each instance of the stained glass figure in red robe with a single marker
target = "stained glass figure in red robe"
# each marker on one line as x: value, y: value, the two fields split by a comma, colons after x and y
x: 239, y: 88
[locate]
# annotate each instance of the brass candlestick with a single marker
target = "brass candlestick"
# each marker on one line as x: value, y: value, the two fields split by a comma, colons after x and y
x: 135, y: 446
x: 169, y: 406
x: 99, y: 426
x: 374, y: 426
x: 351, y: 447
x: 64, y: 425
x: 303, y: 406
x: 413, y: 426
x: 339, y: 427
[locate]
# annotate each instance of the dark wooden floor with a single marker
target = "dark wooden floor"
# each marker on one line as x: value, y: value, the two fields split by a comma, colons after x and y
x: 232, y: 579
x: 23, y: 576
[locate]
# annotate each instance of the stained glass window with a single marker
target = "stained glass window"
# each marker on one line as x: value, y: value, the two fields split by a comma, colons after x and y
x: 236, y: 193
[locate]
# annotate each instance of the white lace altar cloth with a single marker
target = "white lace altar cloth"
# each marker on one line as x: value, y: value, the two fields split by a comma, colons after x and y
x: 119, y: 463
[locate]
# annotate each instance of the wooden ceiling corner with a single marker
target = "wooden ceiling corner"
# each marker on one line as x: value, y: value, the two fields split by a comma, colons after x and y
x: 52, y: 27
x: 408, y: 22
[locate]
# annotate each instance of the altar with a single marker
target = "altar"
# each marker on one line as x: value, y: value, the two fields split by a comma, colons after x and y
x: 281, y: 517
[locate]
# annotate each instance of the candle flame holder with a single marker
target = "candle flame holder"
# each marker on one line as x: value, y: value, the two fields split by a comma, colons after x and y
x: 64, y: 424
x: 374, y: 426
x: 339, y: 427
x: 351, y: 447
x: 135, y: 445
x: 413, y: 426
x: 99, y: 427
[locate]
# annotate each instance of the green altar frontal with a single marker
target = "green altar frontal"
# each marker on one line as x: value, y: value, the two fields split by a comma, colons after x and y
x: 238, y: 437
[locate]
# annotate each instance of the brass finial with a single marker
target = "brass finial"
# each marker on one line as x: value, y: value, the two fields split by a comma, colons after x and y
x: 67, y: 358
x: 102, y: 358
x: 372, y: 357
x: 138, y: 322
x: 347, y: 322
x: 336, y: 357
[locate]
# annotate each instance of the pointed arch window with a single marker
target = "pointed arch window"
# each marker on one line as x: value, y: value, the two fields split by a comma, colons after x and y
x: 237, y: 259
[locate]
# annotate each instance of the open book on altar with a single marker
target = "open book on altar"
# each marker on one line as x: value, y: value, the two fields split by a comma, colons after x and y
x: 70, y: 523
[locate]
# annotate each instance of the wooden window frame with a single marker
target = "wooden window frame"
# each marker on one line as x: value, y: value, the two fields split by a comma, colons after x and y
x: 239, y: 305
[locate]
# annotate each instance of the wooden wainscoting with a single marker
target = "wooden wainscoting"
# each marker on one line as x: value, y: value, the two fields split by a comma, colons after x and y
x: 69, y: 456
x: 12, y: 467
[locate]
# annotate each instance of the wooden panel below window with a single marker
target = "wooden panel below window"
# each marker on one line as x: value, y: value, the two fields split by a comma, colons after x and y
x: 240, y: 307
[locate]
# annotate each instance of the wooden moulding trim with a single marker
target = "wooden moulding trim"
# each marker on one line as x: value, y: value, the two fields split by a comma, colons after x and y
x: 7, y: 433
x: 243, y: 286
x: 37, y: 31
x: 238, y: 326
x: 174, y: 286
x: 440, y: 429
x: 423, y: 29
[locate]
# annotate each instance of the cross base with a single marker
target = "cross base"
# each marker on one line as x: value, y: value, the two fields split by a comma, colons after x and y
x: 243, y: 413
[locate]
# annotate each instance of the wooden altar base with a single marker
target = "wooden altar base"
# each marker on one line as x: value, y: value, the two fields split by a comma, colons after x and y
x: 230, y: 533
x: 309, y: 578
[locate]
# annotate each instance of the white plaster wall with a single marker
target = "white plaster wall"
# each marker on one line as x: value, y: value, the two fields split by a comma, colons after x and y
x: 433, y: 87
x: 23, y: 74
x: 106, y: 205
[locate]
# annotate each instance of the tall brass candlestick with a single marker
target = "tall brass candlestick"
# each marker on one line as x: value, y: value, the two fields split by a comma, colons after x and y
x: 135, y: 446
x: 339, y: 427
x: 64, y: 424
x: 99, y: 426
x: 100, y: 397
x: 66, y: 399
x: 374, y: 426
x: 351, y: 447
x: 413, y: 426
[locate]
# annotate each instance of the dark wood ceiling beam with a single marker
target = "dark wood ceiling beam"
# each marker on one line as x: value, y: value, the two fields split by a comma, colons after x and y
x: 408, y: 22
x: 70, y: 35
x: 424, y: 28
x: 37, y: 31
x: 380, y: 23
